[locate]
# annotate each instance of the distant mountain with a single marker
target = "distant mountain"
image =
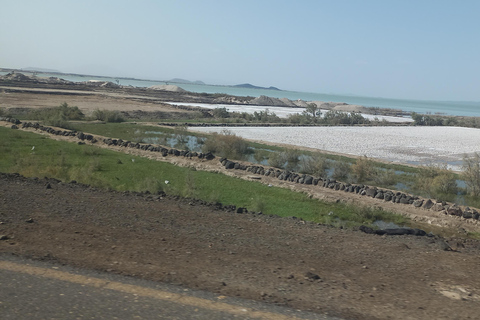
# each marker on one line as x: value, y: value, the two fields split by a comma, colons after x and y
x: 251, y: 86
x: 177, y: 80
x: 32, y: 69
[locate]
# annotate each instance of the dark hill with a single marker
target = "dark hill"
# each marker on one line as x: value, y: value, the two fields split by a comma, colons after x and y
x: 251, y: 86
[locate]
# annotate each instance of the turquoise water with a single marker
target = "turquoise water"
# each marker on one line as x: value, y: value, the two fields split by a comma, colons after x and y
x: 460, y: 108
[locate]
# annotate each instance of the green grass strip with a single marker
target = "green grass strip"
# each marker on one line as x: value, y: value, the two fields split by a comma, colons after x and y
x: 34, y: 155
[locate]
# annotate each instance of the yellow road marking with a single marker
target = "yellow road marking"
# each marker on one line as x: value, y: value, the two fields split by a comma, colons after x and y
x: 141, y: 291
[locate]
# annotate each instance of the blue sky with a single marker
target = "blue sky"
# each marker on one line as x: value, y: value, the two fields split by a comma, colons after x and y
x: 396, y: 49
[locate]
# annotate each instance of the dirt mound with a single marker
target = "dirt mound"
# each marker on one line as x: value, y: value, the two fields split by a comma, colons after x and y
x: 167, y: 87
x: 15, y: 76
x: 269, y: 101
x: 350, y: 108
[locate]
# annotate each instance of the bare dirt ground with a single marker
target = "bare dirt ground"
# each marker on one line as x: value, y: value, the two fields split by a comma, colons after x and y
x: 86, y: 101
x: 279, y: 260
x: 302, y: 265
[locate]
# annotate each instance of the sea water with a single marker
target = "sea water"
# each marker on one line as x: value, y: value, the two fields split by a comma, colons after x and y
x: 460, y: 108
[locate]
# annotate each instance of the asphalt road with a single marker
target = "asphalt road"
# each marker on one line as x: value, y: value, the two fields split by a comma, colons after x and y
x: 44, y: 290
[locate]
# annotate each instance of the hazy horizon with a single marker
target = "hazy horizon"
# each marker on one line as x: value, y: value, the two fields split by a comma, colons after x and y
x: 391, y: 49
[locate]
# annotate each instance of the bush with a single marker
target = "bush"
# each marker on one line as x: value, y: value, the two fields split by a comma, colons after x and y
x: 287, y: 159
x: 471, y: 173
x: 276, y: 160
x: 108, y: 116
x: 363, y: 169
x: 182, y: 136
x: 341, y: 170
x: 315, y: 165
x: 337, y: 117
x: 385, y: 178
x: 227, y: 145
x: 57, y: 116
x: 436, y: 181
x: 265, y: 116
x: 221, y: 113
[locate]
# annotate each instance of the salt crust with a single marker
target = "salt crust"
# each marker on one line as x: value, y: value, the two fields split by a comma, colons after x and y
x: 407, y: 145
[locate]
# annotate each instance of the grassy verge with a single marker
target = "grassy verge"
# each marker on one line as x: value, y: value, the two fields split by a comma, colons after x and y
x: 118, y: 171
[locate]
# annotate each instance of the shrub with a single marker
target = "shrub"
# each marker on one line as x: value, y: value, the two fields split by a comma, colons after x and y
x: 57, y: 116
x: 436, y: 181
x: 363, y: 169
x: 227, y: 144
x: 108, y: 116
x: 291, y: 157
x: 265, y: 116
x: 221, y: 113
x: 471, y: 173
x: 385, y: 177
x: 337, y: 117
x: 341, y: 170
x: 182, y: 136
x: 287, y: 159
x: 276, y: 160
x: 315, y: 165
x: 260, y: 155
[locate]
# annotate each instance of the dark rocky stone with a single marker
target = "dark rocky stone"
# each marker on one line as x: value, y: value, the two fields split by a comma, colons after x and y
x: 394, y: 231
x: 308, y: 180
x: 311, y: 276
x: 229, y: 164
x: 209, y: 156
x: 467, y: 215
x: 438, y: 206
x: 455, y: 210
x: 380, y: 195
x: 366, y: 229
x: 428, y: 204
x: 241, y: 210
x: 418, y: 203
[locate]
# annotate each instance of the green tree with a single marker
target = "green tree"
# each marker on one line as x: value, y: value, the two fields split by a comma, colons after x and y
x: 221, y: 113
x: 313, y: 111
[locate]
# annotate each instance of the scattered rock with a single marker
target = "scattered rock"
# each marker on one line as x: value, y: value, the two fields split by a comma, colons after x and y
x: 311, y: 276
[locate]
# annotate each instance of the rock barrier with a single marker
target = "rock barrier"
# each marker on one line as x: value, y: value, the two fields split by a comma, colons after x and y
x: 82, y: 137
x: 397, y: 197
